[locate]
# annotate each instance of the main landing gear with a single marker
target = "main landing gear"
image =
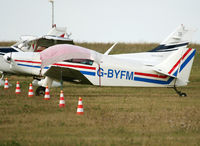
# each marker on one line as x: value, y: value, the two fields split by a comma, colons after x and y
x: 40, y: 91
x: 181, y: 94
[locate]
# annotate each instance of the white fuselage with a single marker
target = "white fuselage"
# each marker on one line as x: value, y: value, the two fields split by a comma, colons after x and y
x: 113, y: 70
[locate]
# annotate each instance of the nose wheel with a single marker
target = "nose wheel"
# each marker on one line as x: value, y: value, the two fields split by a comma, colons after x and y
x: 40, y: 91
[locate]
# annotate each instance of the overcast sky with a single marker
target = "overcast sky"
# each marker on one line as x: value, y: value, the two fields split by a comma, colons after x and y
x: 100, y: 20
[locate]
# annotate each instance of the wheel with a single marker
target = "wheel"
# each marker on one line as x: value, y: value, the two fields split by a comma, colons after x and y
x: 40, y: 91
x: 183, y: 94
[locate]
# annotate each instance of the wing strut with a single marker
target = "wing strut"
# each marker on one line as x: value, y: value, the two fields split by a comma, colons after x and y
x: 110, y: 49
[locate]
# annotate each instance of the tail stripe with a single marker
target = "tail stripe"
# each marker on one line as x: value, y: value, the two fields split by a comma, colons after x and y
x: 187, y: 60
x: 178, y: 62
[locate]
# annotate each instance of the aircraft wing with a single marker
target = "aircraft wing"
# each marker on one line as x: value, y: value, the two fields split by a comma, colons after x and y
x: 66, y: 74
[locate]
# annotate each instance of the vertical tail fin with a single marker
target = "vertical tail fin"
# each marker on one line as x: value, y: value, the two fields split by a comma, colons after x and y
x: 185, y: 68
x: 181, y: 37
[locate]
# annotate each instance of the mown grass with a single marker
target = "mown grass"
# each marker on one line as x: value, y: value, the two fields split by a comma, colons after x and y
x: 112, y: 115
x: 7, y: 43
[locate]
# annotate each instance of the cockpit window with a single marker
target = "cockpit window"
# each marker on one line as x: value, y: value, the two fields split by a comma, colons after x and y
x: 22, y: 45
x: 81, y: 61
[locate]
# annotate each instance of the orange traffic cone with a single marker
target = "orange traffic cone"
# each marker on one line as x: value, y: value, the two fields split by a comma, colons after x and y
x: 6, y: 84
x: 30, y: 91
x: 47, y: 95
x: 18, y: 90
x: 80, y: 107
x: 62, y: 101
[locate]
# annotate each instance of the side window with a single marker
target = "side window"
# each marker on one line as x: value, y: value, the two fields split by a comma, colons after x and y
x: 81, y: 61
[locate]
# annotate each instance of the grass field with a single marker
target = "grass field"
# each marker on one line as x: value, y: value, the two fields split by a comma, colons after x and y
x: 112, y: 115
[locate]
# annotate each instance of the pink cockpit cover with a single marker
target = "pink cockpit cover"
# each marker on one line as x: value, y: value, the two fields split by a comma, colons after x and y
x: 62, y: 52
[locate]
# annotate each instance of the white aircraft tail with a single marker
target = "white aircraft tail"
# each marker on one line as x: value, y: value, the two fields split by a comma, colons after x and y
x: 181, y: 37
x: 178, y: 65
x: 57, y: 31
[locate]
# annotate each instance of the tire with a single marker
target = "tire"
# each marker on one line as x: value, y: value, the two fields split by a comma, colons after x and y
x: 183, y: 95
x: 40, y: 91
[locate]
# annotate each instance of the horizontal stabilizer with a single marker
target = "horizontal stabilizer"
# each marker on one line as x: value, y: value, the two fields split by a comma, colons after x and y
x: 163, y: 72
x: 168, y: 64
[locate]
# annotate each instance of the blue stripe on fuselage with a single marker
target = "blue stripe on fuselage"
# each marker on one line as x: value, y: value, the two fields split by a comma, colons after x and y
x: 88, y: 73
x: 32, y: 66
x: 153, y: 80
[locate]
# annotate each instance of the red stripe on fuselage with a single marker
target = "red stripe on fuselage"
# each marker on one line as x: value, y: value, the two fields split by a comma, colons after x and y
x: 28, y: 61
x: 151, y: 75
x: 178, y: 62
x: 75, y: 66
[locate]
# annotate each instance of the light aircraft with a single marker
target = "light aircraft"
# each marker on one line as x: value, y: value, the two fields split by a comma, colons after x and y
x: 35, y: 44
x: 168, y: 65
